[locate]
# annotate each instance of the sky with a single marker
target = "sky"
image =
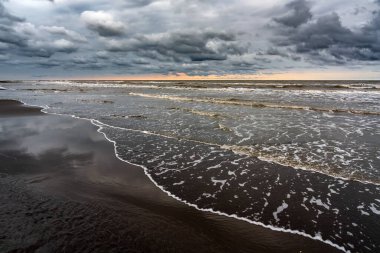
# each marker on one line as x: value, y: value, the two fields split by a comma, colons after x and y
x: 189, y: 39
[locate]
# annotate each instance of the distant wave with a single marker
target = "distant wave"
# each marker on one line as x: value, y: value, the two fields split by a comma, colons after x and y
x: 233, y: 101
x: 242, y: 84
x: 224, y: 85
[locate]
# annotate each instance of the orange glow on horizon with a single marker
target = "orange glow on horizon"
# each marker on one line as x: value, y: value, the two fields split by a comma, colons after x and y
x: 299, y: 75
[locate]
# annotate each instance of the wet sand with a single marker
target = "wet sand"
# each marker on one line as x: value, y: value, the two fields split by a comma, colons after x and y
x: 62, y: 189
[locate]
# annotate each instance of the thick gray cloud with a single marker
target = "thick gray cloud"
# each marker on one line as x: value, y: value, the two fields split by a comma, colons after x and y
x: 327, y: 39
x: 25, y: 39
x: 138, y: 3
x: 7, y: 34
x: 6, y: 17
x: 59, y: 30
x: 299, y: 13
x: 181, y: 46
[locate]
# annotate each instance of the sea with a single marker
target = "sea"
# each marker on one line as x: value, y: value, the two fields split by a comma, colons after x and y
x: 300, y: 157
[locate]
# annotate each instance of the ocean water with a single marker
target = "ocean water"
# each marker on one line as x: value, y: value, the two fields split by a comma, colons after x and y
x: 299, y: 157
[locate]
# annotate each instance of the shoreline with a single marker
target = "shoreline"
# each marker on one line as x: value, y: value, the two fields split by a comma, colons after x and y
x: 317, y: 237
x: 223, y: 221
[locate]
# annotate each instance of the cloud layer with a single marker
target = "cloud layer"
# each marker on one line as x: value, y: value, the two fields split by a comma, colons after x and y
x: 138, y: 37
x: 326, y: 39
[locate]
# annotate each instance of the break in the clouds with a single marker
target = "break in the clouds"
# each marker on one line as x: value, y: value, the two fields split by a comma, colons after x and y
x: 65, y: 38
x: 103, y: 23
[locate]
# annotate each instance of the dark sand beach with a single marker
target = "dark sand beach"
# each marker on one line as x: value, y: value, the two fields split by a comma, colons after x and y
x: 62, y: 189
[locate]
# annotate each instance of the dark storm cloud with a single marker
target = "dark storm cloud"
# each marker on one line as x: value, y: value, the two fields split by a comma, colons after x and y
x: 23, y: 39
x: 138, y: 3
x: 181, y: 46
x: 28, y: 46
x: 7, y: 33
x: 298, y: 14
x: 326, y: 39
x: 6, y: 17
x: 45, y: 49
x: 9, y: 36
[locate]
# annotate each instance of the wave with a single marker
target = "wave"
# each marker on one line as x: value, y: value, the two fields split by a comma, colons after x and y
x: 333, y: 87
x: 248, y: 84
x: 299, y: 165
x: 101, y: 126
x: 198, y: 112
x: 223, y: 85
x: 240, y: 102
x: 96, y: 101
x: 137, y: 116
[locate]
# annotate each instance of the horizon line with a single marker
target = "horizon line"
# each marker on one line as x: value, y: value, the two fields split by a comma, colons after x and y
x: 177, y: 80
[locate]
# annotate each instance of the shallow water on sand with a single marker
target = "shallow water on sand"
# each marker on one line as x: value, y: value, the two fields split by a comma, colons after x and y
x: 302, y: 157
x: 61, y: 183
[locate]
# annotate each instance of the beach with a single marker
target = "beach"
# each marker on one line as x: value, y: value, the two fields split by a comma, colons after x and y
x: 64, y: 190
x: 189, y: 126
x: 236, y: 165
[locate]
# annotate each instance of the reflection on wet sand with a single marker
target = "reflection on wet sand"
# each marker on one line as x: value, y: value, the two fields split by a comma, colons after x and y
x: 63, y: 189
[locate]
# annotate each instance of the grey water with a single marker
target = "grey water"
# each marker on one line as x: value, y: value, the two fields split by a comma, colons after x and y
x: 301, y: 157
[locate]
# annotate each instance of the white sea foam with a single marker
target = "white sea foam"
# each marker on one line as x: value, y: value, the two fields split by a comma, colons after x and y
x: 374, y: 209
x: 319, y: 203
x: 222, y: 182
x: 179, y: 183
x: 279, y: 210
